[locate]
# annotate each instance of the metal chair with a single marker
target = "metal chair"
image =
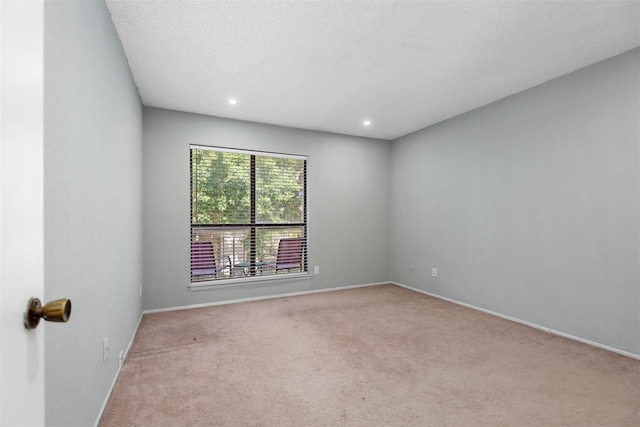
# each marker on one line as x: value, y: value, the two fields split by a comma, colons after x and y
x: 203, y: 261
x: 290, y: 254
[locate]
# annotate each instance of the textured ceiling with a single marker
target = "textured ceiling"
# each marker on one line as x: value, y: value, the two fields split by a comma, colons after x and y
x: 328, y: 65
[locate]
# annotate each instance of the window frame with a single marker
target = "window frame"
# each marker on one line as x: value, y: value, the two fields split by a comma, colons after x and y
x: 305, y: 272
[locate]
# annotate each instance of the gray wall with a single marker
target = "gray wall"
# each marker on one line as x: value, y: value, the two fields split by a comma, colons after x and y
x: 530, y: 206
x: 93, y: 206
x: 349, y: 215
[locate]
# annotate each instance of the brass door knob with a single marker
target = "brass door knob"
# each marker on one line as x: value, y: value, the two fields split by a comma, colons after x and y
x: 54, y: 311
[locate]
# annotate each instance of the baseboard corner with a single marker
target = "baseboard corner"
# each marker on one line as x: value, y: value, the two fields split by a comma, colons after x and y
x: 117, y: 374
x: 524, y: 322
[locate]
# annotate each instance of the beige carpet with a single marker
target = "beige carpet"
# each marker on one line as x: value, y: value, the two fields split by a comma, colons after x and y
x: 378, y: 356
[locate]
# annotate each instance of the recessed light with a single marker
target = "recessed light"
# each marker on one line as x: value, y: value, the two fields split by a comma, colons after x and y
x: 232, y: 101
x: 367, y: 123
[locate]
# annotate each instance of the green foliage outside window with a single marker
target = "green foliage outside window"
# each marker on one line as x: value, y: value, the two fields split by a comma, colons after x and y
x: 221, y: 188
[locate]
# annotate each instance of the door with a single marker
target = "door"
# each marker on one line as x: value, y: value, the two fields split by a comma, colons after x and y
x: 21, y: 210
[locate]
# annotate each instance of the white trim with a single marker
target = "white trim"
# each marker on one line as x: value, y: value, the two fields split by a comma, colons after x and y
x: 248, y: 152
x: 237, y: 301
x: 227, y: 283
x: 115, y: 378
x: 524, y: 322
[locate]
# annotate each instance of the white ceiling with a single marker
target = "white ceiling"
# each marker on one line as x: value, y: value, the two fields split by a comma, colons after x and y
x: 328, y: 65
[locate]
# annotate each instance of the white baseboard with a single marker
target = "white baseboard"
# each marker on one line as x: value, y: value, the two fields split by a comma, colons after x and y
x: 237, y: 301
x: 115, y: 378
x: 524, y: 322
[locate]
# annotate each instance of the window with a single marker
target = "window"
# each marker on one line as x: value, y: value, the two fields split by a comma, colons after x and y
x: 248, y: 214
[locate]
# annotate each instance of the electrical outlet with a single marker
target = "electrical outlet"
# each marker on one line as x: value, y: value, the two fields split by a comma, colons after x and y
x: 316, y: 270
x: 121, y: 359
x: 105, y: 349
x: 434, y: 272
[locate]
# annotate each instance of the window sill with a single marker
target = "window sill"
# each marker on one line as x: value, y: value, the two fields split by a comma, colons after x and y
x: 226, y: 283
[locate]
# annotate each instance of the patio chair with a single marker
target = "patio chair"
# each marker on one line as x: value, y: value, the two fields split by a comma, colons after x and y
x: 290, y: 254
x: 203, y: 260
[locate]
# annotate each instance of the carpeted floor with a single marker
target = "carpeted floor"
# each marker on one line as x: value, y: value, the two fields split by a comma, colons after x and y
x: 378, y: 356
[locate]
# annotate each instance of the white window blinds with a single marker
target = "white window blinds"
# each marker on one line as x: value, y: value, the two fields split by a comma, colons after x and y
x: 248, y: 214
